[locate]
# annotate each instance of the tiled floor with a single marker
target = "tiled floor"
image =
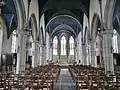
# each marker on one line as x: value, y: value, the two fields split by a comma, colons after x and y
x: 65, y: 81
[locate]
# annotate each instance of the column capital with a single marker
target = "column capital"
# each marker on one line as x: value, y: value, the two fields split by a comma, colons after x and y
x: 108, y: 31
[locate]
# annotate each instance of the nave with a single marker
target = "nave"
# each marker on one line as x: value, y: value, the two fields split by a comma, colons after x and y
x: 40, y: 37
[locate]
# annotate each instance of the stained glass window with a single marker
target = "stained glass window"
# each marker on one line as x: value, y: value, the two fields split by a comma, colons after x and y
x: 71, y: 43
x: 115, y: 41
x: 63, y: 45
x: 55, y: 45
x: 14, y: 42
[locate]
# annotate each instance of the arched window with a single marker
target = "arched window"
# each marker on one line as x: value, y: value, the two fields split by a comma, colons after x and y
x: 71, y: 43
x: 63, y: 45
x: 55, y: 45
x: 115, y: 41
x: 14, y: 42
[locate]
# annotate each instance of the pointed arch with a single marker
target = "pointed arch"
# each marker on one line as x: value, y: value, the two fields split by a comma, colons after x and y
x: 63, y: 45
x: 34, y: 25
x: 71, y: 43
x: 95, y: 22
x: 55, y: 45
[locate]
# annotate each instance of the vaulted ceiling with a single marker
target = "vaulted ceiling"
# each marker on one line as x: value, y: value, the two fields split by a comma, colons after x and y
x: 74, y: 8
x: 9, y: 15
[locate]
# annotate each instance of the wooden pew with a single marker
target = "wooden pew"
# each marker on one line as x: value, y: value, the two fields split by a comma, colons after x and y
x: 39, y: 78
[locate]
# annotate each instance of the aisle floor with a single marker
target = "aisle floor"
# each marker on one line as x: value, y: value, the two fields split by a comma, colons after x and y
x: 65, y: 81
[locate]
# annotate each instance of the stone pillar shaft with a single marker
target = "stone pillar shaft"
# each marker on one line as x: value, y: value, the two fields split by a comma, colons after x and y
x: 107, y: 51
x: 51, y: 53
x: 40, y: 62
x: 93, y: 53
x: 34, y: 57
x: 84, y: 54
x: 47, y: 47
x: 1, y: 39
x: 118, y: 39
x: 21, y: 56
x: 44, y: 54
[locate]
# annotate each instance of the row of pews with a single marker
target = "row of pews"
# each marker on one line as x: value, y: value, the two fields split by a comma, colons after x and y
x: 38, y: 78
x: 91, y: 78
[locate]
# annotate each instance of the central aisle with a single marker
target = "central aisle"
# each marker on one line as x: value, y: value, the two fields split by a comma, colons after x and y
x: 65, y: 81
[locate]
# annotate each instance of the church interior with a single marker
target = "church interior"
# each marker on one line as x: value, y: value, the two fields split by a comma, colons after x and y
x: 59, y: 44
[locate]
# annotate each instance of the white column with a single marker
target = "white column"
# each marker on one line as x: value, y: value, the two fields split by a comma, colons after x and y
x: 33, y: 54
x: 118, y: 39
x: 76, y: 53
x: 44, y: 54
x: 93, y: 53
x: 38, y: 55
x: 107, y: 51
x: 99, y: 50
x: 80, y: 48
x: 40, y: 62
x: 84, y: 54
x: 47, y: 47
x: 51, y: 53
x: 87, y: 55
x: 21, y: 56
x: 1, y: 39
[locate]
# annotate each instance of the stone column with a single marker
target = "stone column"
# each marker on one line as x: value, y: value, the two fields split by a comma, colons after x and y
x: 118, y: 39
x: 67, y: 49
x: 1, y: 39
x: 76, y: 52
x: 87, y: 55
x: 40, y: 61
x: 93, y: 53
x: 59, y: 49
x: 21, y: 56
x: 47, y: 47
x: 99, y: 50
x: 51, y: 49
x: 107, y: 51
x: 84, y: 54
x: 38, y: 54
x: 44, y: 54
x: 80, y: 48
x: 34, y: 54
x: 51, y: 53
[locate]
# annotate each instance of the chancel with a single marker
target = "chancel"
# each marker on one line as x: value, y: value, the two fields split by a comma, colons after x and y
x: 59, y: 44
